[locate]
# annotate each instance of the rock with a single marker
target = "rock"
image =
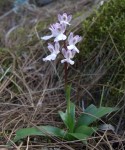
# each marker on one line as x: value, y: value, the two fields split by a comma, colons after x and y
x: 42, y: 2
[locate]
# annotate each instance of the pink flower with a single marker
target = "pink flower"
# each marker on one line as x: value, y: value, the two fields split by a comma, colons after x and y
x: 57, y: 31
x: 54, y: 52
x: 73, y: 41
x: 68, y: 54
x: 64, y: 18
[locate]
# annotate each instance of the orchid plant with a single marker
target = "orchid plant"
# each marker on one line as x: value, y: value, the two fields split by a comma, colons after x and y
x: 81, y: 128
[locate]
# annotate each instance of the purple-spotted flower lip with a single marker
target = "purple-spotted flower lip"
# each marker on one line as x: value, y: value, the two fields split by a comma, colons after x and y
x: 57, y: 31
x: 72, y: 41
x: 54, y: 51
x: 68, y: 54
x: 64, y: 18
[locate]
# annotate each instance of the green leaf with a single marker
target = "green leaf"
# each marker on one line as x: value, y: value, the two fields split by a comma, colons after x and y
x: 78, y: 136
x: 85, y: 130
x: 72, y: 111
x: 64, y: 118
x: 69, y: 118
x: 40, y: 130
x: 68, y: 91
x: 93, y: 113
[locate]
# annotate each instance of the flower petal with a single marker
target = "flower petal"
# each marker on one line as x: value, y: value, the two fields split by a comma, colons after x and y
x: 71, y: 62
x: 70, y: 47
x: 51, y: 47
x: 57, y: 47
x: 46, y: 37
x: 76, y: 49
x: 60, y: 37
x: 59, y: 17
x: 73, y: 47
x: 68, y: 54
x: 65, y: 22
x: 69, y: 18
x: 64, y: 52
x: 64, y: 60
x: 73, y: 53
x: 77, y: 39
x: 50, y: 57
x: 63, y: 27
x: 70, y: 38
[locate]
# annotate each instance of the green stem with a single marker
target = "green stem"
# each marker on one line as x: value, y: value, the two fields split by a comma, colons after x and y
x: 68, y: 98
x: 65, y: 68
x: 67, y: 88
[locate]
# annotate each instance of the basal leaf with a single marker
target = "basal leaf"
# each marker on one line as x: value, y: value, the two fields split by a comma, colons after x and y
x: 64, y: 118
x: 40, y: 130
x: 79, y: 136
x: 92, y: 114
x: 69, y: 118
x: 85, y: 130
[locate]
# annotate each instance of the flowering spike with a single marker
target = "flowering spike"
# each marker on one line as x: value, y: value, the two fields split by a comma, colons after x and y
x: 58, y: 31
